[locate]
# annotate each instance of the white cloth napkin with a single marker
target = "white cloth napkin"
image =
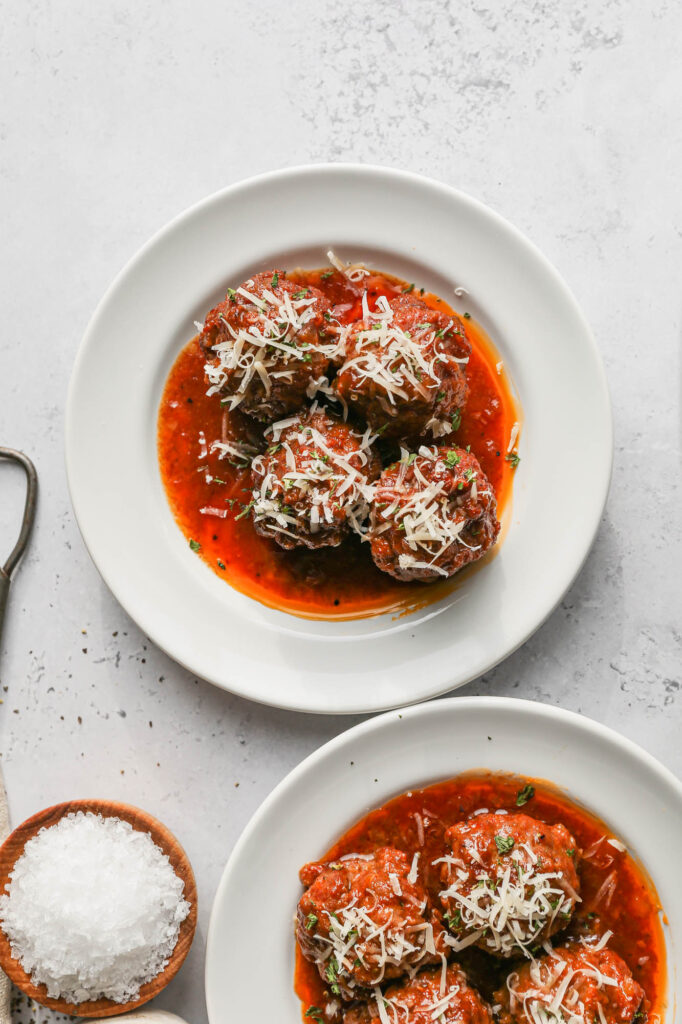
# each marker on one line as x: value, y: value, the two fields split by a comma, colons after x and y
x: 5, y: 987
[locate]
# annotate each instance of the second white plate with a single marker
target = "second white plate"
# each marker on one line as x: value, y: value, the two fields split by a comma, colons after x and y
x: 363, y: 768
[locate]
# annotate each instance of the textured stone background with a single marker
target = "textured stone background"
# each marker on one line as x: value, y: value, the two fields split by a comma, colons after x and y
x: 117, y: 115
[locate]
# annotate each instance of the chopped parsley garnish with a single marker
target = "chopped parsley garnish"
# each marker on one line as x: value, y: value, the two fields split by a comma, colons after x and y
x: 195, y: 545
x: 456, y: 419
x: 231, y: 294
x: 452, y: 458
x: 274, y: 448
x: 327, y: 274
x: 570, y: 853
x: 467, y: 316
x: 454, y: 920
x: 469, y: 475
x: 275, y: 280
x: 440, y: 396
x: 331, y: 974
x: 245, y: 511
x: 310, y: 922
x: 504, y: 844
x: 316, y: 1013
x: 410, y: 458
x: 525, y: 794
x: 327, y: 315
x: 410, y: 288
x: 221, y: 565
x: 302, y: 294
x: 306, y: 357
x: 381, y: 429
x: 513, y: 458
x: 217, y: 480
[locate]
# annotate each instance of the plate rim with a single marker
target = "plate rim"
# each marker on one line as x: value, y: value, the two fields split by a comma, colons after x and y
x: 312, y: 703
x: 512, y: 705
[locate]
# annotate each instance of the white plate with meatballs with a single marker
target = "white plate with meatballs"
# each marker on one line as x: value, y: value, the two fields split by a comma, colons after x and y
x: 469, y: 860
x: 321, y: 439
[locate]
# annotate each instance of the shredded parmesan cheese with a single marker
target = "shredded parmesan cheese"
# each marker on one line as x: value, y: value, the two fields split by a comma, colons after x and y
x: 430, y: 518
x: 513, y: 436
x: 352, y: 935
x: 268, y: 350
x: 353, y: 271
x: 401, y: 364
x: 508, y: 910
x: 321, y: 487
x: 554, y: 995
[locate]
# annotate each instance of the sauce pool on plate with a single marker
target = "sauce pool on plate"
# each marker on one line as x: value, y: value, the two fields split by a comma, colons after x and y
x: 209, y: 496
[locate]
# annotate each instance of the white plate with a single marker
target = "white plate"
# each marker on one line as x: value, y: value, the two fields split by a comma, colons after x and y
x: 254, y: 907
x: 421, y: 231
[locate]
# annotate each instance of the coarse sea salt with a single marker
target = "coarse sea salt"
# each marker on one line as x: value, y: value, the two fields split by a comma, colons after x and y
x: 93, y: 909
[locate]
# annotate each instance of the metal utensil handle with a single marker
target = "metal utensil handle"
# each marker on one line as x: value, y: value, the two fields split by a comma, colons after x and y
x: 17, y: 551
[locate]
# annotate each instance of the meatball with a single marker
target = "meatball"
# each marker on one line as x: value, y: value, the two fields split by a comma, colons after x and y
x: 430, y: 995
x: 404, y: 370
x: 312, y: 485
x: 366, y: 919
x: 510, y: 882
x: 432, y: 513
x: 579, y: 983
x: 268, y: 344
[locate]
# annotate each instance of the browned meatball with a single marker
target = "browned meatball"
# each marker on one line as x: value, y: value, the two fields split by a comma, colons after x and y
x: 405, y: 368
x: 267, y: 344
x: 312, y: 485
x: 579, y: 983
x: 432, y: 513
x: 510, y: 882
x: 365, y: 920
x: 429, y: 996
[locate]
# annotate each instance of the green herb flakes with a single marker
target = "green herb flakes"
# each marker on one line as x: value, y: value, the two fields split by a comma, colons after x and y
x: 504, y: 844
x: 525, y: 794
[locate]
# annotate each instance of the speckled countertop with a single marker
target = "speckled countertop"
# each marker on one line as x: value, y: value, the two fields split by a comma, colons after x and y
x: 115, y: 117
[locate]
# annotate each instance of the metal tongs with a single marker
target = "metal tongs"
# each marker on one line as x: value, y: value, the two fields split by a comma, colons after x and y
x: 17, y: 551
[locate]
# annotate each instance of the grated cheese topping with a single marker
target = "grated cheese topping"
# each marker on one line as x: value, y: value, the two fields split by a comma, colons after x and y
x: 353, y: 937
x: 394, y: 1010
x: 353, y: 271
x: 431, y: 518
x: 239, y: 453
x: 555, y: 994
x: 330, y: 486
x: 269, y: 349
x: 509, y: 909
x: 399, y: 363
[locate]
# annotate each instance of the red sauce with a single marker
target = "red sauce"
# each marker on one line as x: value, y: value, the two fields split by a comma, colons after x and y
x: 329, y: 583
x: 633, y: 914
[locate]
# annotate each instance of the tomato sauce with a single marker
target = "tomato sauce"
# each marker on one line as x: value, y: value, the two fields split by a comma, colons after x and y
x: 328, y: 583
x: 632, y: 913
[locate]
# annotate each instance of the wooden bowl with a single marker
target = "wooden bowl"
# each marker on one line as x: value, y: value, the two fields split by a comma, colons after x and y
x: 13, y: 847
